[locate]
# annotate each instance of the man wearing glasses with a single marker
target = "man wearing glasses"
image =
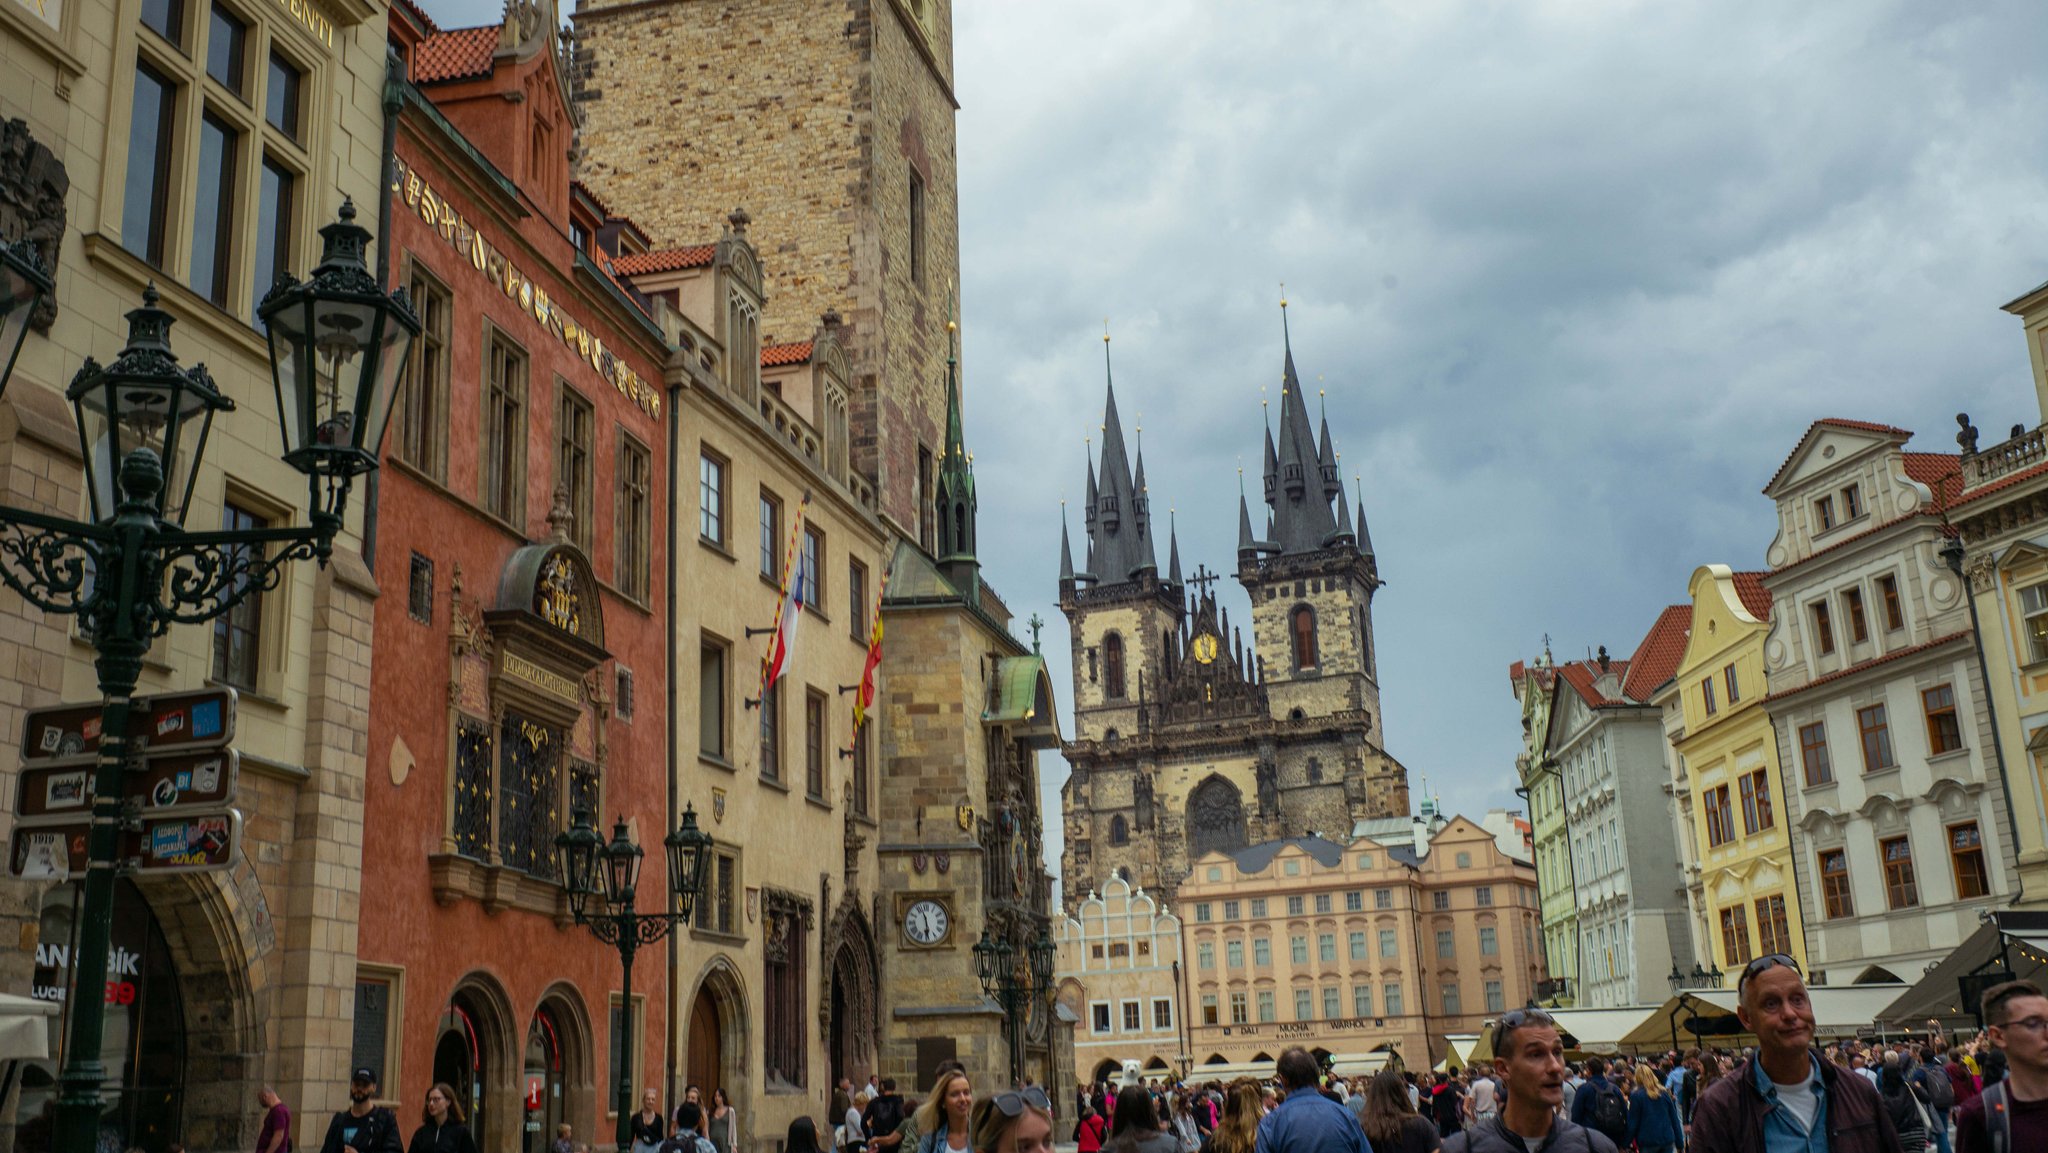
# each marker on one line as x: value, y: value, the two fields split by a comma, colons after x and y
x: 1528, y: 1057
x: 2013, y: 1115
x: 1786, y: 1099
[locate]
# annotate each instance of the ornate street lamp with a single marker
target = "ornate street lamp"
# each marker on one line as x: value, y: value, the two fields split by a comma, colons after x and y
x: 23, y: 284
x: 132, y: 571
x: 995, y: 963
x: 587, y: 862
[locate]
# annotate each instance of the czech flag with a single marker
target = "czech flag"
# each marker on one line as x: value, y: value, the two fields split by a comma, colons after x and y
x: 796, y: 582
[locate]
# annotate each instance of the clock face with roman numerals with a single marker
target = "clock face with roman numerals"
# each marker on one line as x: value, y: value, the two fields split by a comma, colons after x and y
x: 926, y: 923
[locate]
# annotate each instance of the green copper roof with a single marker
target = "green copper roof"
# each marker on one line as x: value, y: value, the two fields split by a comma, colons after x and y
x: 1014, y: 694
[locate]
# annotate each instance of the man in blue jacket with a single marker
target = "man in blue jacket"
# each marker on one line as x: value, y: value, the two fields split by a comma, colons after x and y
x: 1306, y: 1121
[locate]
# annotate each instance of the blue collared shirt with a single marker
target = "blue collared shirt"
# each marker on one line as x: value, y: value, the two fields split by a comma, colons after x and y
x: 1308, y: 1122
x: 1781, y: 1132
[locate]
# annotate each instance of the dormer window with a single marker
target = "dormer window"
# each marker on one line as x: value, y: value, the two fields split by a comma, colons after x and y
x: 1824, y: 514
x: 1852, y: 502
x: 579, y: 237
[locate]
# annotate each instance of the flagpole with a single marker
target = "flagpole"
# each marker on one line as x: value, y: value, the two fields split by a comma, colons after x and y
x: 860, y: 706
x: 789, y: 573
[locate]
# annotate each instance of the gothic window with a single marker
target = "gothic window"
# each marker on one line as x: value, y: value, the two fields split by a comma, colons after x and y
x: 1113, y: 666
x: 1302, y: 627
x: 1119, y: 830
x: 1215, y: 818
x: 786, y: 922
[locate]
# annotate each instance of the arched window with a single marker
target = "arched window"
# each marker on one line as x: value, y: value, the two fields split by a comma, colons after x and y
x: 1302, y: 626
x: 1119, y: 831
x: 1113, y: 666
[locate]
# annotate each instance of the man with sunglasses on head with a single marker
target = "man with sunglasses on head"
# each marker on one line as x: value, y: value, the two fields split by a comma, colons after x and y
x: 2011, y: 1116
x: 1528, y: 1057
x: 1786, y: 1099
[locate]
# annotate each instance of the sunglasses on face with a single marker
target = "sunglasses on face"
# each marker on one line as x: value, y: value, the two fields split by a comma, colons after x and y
x: 1012, y: 1104
x: 1768, y: 961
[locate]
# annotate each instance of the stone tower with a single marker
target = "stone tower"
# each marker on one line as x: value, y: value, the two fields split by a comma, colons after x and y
x: 833, y: 126
x: 1186, y: 738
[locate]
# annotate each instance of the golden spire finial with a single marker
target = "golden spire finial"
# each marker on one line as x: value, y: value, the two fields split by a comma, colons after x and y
x: 1283, y: 294
x: 1105, y: 330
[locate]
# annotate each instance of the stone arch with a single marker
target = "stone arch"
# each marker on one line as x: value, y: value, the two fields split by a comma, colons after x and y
x: 1301, y: 636
x: 720, y: 993
x: 1119, y: 830
x: 849, y: 1012
x: 478, y: 1047
x: 1107, y: 1069
x: 581, y: 1056
x: 1215, y: 818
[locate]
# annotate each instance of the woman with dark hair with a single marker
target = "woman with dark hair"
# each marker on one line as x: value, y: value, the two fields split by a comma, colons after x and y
x: 1902, y: 1101
x: 1136, y: 1128
x: 802, y: 1137
x: 441, y: 1129
x: 721, y: 1121
x: 1391, y: 1122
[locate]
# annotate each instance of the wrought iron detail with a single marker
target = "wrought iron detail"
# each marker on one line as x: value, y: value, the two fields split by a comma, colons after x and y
x: 473, y: 755
x: 529, y: 795
x: 51, y: 568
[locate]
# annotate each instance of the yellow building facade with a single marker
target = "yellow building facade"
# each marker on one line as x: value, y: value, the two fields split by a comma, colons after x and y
x: 1729, y: 773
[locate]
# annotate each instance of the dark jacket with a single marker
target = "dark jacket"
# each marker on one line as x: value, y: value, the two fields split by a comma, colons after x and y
x: 375, y: 1132
x: 450, y: 1137
x: 1653, y: 1120
x: 1565, y: 1137
x: 1730, y: 1115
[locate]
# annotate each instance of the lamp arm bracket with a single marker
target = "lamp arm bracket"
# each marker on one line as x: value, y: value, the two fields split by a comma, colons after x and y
x: 650, y: 928
x: 206, y: 574
x: 52, y: 565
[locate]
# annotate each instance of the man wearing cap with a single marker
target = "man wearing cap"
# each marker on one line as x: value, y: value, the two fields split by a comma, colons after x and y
x: 363, y: 1127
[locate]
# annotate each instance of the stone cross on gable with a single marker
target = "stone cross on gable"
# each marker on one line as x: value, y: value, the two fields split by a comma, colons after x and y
x: 1202, y: 579
x: 1036, y: 623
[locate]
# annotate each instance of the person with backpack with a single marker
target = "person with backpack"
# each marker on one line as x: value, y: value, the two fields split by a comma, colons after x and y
x: 882, y: 1117
x: 1447, y: 1105
x: 2011, y: 1115
x: 1090, y: 1131
x: 687, y: 1136
x: 1940, y: 1093
x: 1600, y: 1105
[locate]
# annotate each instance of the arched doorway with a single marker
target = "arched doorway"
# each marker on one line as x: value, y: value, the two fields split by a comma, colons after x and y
x: 459, y: 1063
x: 715, y: 1043
x: 705, y: 1044
x: 543, y: 1083
x: 143, y: 1039
x: 1106, y: 1071
x: 851, y: 1039
x: 474, y: 1055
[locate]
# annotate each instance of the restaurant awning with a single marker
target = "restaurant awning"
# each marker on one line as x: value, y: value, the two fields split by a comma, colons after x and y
x: 1458, y: 1049
x: 2009, y: 942
x: 24, y: 1027
x: 1838, y: 1011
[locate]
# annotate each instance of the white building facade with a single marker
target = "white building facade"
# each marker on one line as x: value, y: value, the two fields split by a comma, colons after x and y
x: 1903, y: 831
x: 1119, y: 972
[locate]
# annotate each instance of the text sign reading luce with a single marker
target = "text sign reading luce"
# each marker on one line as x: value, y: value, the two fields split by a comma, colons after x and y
x: 172, y: 722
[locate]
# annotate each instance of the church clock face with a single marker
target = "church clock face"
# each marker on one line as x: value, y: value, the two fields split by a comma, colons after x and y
x: 926, y: 923
x: 1205, y: 648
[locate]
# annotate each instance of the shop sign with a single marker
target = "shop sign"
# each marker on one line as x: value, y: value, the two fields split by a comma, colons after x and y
x: 420, y: 197
x: 160, y: 783
x: 190, y: 843
x: 172, y: 722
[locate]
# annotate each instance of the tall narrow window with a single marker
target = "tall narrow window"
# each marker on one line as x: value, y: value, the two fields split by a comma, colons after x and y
x: 1900, y: 889
x: 1735, y: 937
x: 1113, y: 666
x: 1859, y: 627
x: 1834, y: 884
x: 423, y: 415
x: 146, y: 188
x: 166, y: 18
x: 916, y: 227
x: 238, y: 633
x: 504, y: 430
x: 213, y: 221
x: 1119, y: 830
x: 281, y: 97
x: 770, y: 519
x: 1302, y: 627
x: 1852, y: 502
x: 634, y: 511
x: 857, y: 600
x: 1813, y: 753
x: 1966, y: 856
x: 575, y: 462
x: 1720, y: 820
x: 273, y: 246
x: 711, y: 499
x: 1707, y: 695
x: 785, y: 1045
x: 711, y: 720
x: 1824, y: 514
x: 814, y: 567
x: 226, y: 48
x: 2034, y: 618
x: 1944, y: 734
x: 1773, y: 931
x: 1894, y: 612
x: 771, y: 733
x: 1823, y: 629
x: 814, y: 745
x: 1877, y: 738
x: 1756, y: 802
x: 1734, y: 686
x: 926, y: 503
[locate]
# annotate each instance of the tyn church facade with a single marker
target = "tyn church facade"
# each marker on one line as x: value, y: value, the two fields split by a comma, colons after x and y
x: 1188, y: 739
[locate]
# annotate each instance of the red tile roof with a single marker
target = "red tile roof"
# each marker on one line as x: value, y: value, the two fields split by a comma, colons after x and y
x: 603, y: 209
x: 420, y: 14
x: 1516, y: 671
x: 666, y: 260
x: 1897, y: 654
x: 2004, y: 482
x: 776, y: 355
x: 1656, y: 659
x: 1749, y: 587
x: 1832, y: 422
x: 460, y: 54
x: 1940, y: 471
x: 1583, y: 676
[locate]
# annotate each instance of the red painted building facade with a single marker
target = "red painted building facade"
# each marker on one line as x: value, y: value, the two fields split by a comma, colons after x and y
x: 519, y: 667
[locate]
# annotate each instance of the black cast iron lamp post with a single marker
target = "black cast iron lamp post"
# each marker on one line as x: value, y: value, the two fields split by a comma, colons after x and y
x: 592, y: 868
x: 132, y: 571
x: 995, y: 963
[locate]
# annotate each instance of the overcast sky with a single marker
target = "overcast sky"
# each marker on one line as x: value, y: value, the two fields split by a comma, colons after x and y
x: 1575, y: 275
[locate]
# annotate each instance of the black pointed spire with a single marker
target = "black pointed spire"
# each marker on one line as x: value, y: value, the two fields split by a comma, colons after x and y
x: 1120, y: 535
x: 1066, y: 548
x: 1172, y: 550
x: 1247, y: 544
x: 1305, y: 471
x: 1342, y: 533
x: 954, y: 494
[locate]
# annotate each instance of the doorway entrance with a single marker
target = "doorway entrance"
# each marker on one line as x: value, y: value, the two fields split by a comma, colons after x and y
x: 459, y: 1059
x: 545, y: 1106
x: 706, y: 1042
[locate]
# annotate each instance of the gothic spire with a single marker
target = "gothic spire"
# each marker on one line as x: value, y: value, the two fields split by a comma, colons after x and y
x: 1172, y: 550
x: 1305, y: 472
x: 954, y: 493
x: 1119, y: 529
x: 1247, y: 545
x: 1342, y: 533
x: 1066, y: 548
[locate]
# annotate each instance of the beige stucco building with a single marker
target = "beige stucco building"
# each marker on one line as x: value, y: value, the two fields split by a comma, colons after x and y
x: 1120, y: 974
x: 199, y: 148
x: 1378, y: 946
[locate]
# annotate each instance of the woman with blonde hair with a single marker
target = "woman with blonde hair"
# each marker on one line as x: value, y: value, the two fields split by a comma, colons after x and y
x: 1018, y: 1122
x: 1653, y: 1124
x: 1238, y: 1131
x: 944, y: 1120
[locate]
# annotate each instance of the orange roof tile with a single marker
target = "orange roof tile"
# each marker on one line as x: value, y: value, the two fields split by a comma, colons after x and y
x: 2004, y: 482
x: 1833, y: 422
x: 1516, y: 670
x: 1896, y: 654
x: 1583, y: 676
x: 420, y: 14
x: 460, y: 54
x: 776, y: 355
x: 665, y: 260
x: 1749, y: 588
x: 1656, y: 659
x: 1940, y: 471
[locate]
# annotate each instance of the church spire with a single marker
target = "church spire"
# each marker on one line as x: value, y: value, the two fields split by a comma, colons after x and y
x: 1300, y: 473
x: 954, y: 494
x: 1172, y: 550
x: 1119, y: 529
x: 1066, y: 548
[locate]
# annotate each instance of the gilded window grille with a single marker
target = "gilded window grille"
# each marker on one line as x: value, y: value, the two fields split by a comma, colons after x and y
x: 473, y: 753
x: 529, y: 795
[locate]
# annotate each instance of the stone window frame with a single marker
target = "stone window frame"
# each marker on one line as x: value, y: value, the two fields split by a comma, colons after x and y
x: 504, y: 415
x: 576, y: 461
x: 391, y: 1062
x: 633, y: 518
x: 421, y: 419
x: 273, y: 607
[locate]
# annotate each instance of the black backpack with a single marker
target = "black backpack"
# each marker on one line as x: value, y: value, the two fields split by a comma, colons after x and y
x: 1940, y: 1093
x: 1609, y: 1113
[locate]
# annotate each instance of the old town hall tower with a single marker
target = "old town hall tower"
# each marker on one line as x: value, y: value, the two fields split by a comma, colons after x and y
x: 1187, y: 738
